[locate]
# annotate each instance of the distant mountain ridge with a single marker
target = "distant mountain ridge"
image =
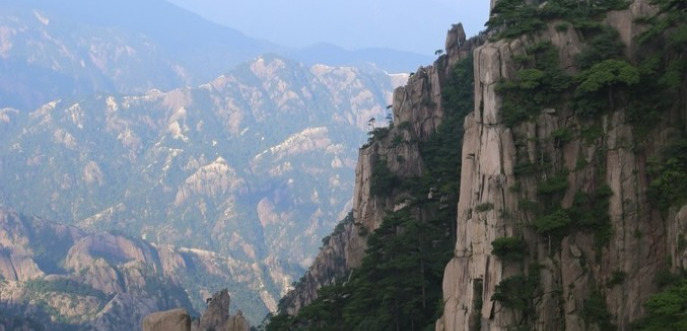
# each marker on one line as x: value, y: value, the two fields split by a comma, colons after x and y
x: 123, y: 127
x: 386, y: 59
x: 50, y: 50
x: 58, y: 276
x: 254, y: 166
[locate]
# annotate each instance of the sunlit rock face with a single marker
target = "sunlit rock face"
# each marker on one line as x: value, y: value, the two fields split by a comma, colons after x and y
x: 575, y: 269
x: 171, y: 320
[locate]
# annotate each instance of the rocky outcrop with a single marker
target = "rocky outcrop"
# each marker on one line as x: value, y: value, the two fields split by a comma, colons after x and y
x: 217, y: 313
x: 217, y: 317
x: 458, y: 46
x: 171, y: 320
x: 578, y: 270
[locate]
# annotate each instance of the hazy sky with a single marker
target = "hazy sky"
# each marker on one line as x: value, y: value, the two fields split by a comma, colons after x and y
x: 415, y: 25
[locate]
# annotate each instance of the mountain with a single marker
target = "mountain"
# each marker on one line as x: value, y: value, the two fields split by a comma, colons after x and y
x: 255, y: 166
x: 61, y: 277
x: 566, y: 210
x: 76, y: 48
x: 115, y: 121
x: 52, y: 50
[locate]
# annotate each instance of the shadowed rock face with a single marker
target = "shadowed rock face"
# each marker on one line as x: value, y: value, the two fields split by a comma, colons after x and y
x: 171, y: 320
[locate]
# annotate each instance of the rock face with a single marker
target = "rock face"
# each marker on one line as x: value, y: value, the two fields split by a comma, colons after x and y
x: 417, y: 113
x: 569, y: 277
x: 171, y: 320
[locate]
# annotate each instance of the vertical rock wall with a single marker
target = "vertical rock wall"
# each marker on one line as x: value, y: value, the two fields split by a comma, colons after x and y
x: 570, y: 274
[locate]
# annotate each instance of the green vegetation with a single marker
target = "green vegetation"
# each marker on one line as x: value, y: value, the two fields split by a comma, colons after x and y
x: 602, y: 84
x: 405, y: 125
x: 340, y: 227
x: 395, y: 286
x: 377, y: 134
x: 617, y: 278
x: 514, y: 18
x: 554, y: 185
x: 383, y: 181
x: 668, y: 186
x: 604, y: 81
x: 514, y: 292
x: 67, y: 286
x: 590, y: 212
x: 562, y: 136
x: 538, y: 84
x: 510, y: 249
x: 603, y: 43
x: 607, y: 74
x: 519, y: 293
x: 594, y: 311
x: 666, y: 309
x: 483, y: 207
x: 553, y: 224
x: 397, y: 140
x: 663, y: 79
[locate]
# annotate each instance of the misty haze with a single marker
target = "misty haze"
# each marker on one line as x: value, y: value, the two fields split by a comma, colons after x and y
x: 178, y: 165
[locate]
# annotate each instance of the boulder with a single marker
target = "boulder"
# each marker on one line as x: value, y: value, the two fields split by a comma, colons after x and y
x: 171, y: 320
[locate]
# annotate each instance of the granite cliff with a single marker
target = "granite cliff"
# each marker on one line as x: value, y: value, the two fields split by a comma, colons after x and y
x: 580, y: 202
x: 570, y: 210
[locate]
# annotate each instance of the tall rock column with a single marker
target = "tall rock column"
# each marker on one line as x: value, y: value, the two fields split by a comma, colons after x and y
x: 487, y: 172
x: 608, y: 272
